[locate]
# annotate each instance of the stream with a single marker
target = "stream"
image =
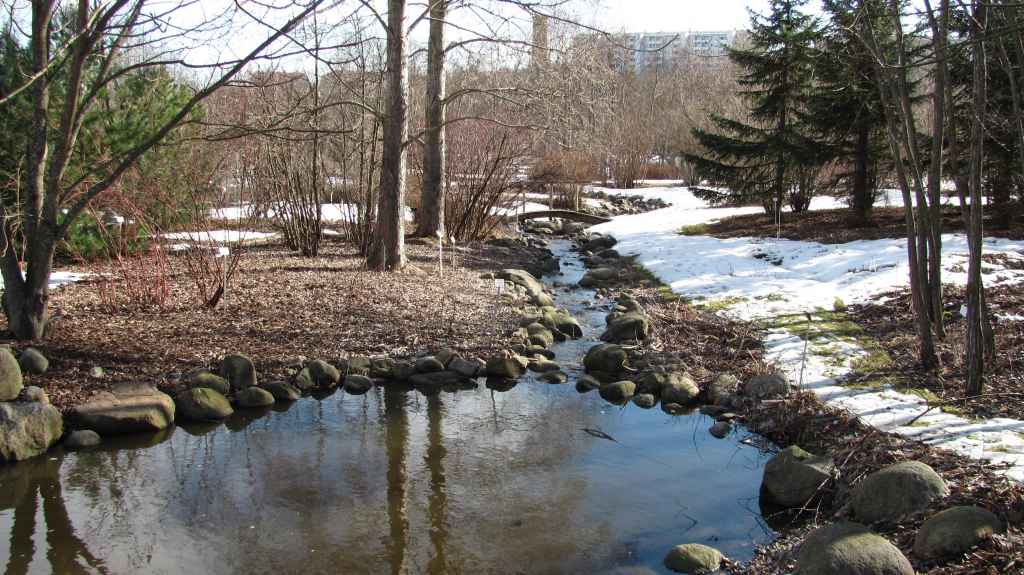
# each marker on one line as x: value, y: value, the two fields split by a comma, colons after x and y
x: 396, y: 482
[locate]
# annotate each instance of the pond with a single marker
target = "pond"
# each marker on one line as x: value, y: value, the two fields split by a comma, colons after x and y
x: 396, y: 482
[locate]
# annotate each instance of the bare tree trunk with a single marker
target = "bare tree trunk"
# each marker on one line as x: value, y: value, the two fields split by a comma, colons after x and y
x: 934, y: 210
x: 431, y: 212
x: 388, y: 251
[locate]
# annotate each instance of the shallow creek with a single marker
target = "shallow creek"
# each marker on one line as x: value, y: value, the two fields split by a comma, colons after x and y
x: 396, y: 482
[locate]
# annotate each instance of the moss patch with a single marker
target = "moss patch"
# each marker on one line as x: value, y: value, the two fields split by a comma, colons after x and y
x: 695, y: 230
x: 718, y: 304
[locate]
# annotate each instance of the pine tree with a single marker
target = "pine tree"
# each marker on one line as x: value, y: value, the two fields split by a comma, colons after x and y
x: 769, y: 159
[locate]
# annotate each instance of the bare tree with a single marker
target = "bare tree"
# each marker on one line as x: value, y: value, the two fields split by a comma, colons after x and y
x: 431, y: 213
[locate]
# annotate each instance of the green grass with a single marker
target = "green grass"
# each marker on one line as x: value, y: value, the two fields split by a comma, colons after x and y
x: 694, y: 230
x: 719, y: 304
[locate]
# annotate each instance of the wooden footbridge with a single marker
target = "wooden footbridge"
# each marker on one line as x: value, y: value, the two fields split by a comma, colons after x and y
x: 563, y: 214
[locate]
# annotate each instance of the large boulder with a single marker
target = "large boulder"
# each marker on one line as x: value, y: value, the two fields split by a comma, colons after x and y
x: 617, y: 392
x: 694, y: 559
x: 202, y: 404
x: 847, y: 548
x: 522, y: 278
x: 506, y: 365
x: 10, y: 375
x: 605, y: 358
x: 254, y: 397
x: 894, y: 492
x: 323, y: 374
x: 28, y: 429
x: 540, y: 335
x: 723, y: 389
x: 203, y: 378
x: 357, y: 384
x: 679, y: 388
x: 238, y: 370
x: 127, y: 408
x: 954, y: 531
x: 597, y: 276
x: 467, y: 367
x: 793, y: 476
x: 767, y: 386
x: 629, y: 326
x: 33, y: 361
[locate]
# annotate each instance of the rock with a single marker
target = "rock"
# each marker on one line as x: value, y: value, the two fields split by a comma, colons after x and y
x: 598, y: 243
x: 303, y: 381
x: 847, y: 548
x: 597, y: 276
x: 675, y: 408
x: 445, y: 356
x: 466, y: 367
x: 282, y: 391
x: 428, y: 364
x: 127, y: 408
x: 438, y: 379
x: 587, y: 383
x: 522, y: 278
x: 573, y: 228
x: 767, y: 386
x: 535, y: 350
x: 693, y: 558
x: 238, y: 370
x: 323, y: 374
x: 254, y: 397
x: 500, y: 384
x: 33, y: 393
x: 32, y: 361
x: 543, y: 365
x: 645, y: 400
x: 628, y: 327
x: 617, y: 392
x: 82, y: 438
x: 897, y: 491
x: 955, y: 531
x: 357, y: 365
x: 712, y: 410
x: 28, y: 429
x: 605, y: 357
x: 403, y: 370
x: 608, y: 254
x: 723, y: 389
x: 542, y: 299
x: 793, y: 476
x: 555, y: 377
x: 720, y: 429
x: 10, y: 375
x: 357, y: 384
x: 540, y: 335
x: 679, y: 388
x: 561, y: 321
x: 381, y: 367
x: 208, y: 380
x: 507, y: 366
x: 202, y: 404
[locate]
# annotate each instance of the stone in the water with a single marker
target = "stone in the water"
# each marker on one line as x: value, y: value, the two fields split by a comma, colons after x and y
x: 28, y: 429
x: 679, y: 388
x: 605, y: 357
x: 554, y: 377
x: 768, y: 386
x: 10, y: 375
x: 202, y: 404
x: 645, y: 400
x: 209, y: 380
x: 543, y: 365
x: 357, y: 384
x: 617, y: 392
x: 428, y: 364
x: 254, y: 397
x: 238, y: 370
x: 323, y: 374
x: 507, y: 365
x: 628, y: 327
x: 127, y: 408
x: 33, y: 393
x: 467, y: 367
x: 694, y: 559
x: 445, y: 356
x: 587, y: 383
x: 540, y: 335
x: 954, y: 531
x: 847, y: 548
x: 500, y: 384
x: 357, y: 365
x: 597, y: 276
x: 282, y: 391
x: 33, y: 361
x: 675, y: 408
x: 720, y: 429
x: 894, y: 492
x: 437, y: 379
x: 793, y: 476
x: 723, y: 389
x: 82, y: 438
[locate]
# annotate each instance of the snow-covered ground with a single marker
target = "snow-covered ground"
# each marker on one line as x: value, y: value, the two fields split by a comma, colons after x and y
x: 215, y: 238
x: 329, y: 212
x: 764, y: 278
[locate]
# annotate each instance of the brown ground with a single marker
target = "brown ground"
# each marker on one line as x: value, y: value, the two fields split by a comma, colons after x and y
x: 892, y: 325
x: 281, y: 307
x: 833, y: 226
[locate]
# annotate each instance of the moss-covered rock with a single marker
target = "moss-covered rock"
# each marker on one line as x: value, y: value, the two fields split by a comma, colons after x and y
x: 429, y: 364
x: 723, y: 389
x: 606, y: 358
x: 896, y: 491
x: 282, y: 391
x: 793, y: 476
x: 251, y: 397
x: 617, y: 392
x: 679, y: 388
x: 767, y: 386
x: 208, y: 380
x: 629, y: 326
x: 32, y: 361
x: 645, y: 400
x: 358, y: 365
x: 28, y: 429
x: 323, y: 374
x: 238, y: 370
x: 554, y: 377
x: 587, y: 383
x: 539, y: 335
x: 202, y: 404
x: 541, y: 365
x: 11, y: 380
x: 506, y: 365
x: 954, y: 531
x: 357, y: 384
x: 694, y: 559
x: 849, y: 549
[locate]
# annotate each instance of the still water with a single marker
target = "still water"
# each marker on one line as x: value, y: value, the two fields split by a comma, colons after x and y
x: 395, y: 482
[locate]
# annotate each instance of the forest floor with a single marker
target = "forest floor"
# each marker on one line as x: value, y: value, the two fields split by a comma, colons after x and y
x: 279, y: 309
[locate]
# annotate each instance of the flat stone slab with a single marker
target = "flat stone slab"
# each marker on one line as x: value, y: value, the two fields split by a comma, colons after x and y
x: 127, y: 408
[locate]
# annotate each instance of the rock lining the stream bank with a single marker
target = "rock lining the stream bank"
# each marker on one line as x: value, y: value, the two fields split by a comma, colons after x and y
x: 126, y: 408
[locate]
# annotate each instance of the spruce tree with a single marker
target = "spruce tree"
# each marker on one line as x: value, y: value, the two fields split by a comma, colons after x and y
x: 769, y: 157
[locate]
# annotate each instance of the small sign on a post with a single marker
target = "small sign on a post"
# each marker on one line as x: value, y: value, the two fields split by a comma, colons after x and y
x: 499, y: 284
